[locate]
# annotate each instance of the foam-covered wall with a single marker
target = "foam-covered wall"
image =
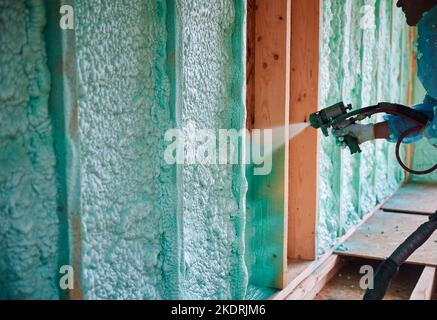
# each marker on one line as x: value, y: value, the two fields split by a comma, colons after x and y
x: 363, y: 60
x: 28, y: 209
x: 151, y: 231
x: 144, y: 229
x: 424, y: 154
x: 127, y: 192
x: 210, y: 77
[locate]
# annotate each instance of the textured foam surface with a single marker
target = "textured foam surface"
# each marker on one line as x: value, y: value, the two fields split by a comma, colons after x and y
x: 210, y: 72
x: 28, y: 218
x: 425, y: 155
x: 127, y: 191
x: 136, y: 242
x: 363, y: 60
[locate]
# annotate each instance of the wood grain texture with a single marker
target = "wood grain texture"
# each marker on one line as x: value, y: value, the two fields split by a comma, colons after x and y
x: 309, y: 287
x: 414, y: 197
x: 302, y: 208
x: 298, y: 270
x: 410, y: 92
x: 269, y: 193
x: 250, y: 63
x: 383, y: 233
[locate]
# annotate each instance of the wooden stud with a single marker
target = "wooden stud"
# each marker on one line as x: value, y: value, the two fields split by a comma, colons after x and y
x: 271, y: 110
x: 63, y: 107
x: 302, y: 209
x: 410, y: 92
x: 250, y: 63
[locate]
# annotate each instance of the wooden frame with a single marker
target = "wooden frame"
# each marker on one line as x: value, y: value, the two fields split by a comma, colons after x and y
x: 315, y: 282
x: 302, y: 210
x: 63, y: 108
x: 282, y: 86
x: 268, y: 86
x: 312, y: 279
x: 410, y: 93
x: 319, y: 263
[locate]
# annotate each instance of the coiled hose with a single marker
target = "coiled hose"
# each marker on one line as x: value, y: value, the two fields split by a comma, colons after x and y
x: 398, y: 157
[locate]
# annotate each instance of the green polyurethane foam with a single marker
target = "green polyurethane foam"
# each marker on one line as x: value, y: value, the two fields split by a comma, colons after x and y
x: 28, y: 208
x: 361, y: 63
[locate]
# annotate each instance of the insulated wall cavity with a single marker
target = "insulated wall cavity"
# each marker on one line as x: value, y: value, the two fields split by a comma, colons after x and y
x: 424, y: 157
x: 129, y: 244
x: 210, y: 95
x: 424, y: 154
x: 28, y: 208
x: 363, y: 60
x: 132, y: 225
x: 153, y: 230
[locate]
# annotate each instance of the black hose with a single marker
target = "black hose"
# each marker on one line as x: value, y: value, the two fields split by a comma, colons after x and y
x: 389, y: 268
x: 405, y: 134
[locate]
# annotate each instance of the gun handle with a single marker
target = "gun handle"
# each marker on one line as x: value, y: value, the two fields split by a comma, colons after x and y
x: 352, y: 143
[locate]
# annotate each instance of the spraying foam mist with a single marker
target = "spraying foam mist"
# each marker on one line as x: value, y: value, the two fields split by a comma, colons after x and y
x: 280, y: 136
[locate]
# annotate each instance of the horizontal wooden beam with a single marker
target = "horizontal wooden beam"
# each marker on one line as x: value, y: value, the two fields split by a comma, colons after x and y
x: 309, y: 288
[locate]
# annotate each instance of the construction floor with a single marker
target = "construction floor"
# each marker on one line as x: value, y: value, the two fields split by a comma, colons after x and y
x: 338, y: 277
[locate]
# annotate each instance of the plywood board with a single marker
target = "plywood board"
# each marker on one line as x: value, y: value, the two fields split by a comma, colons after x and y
x: 414, y: 197
x: 384, y: 232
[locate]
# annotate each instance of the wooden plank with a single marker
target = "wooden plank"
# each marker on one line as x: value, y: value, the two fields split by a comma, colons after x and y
x: 425, y: 286
x: 383, y: 233
x: 295, y: 277
x: 299, y: 270
x: 309, y: 287
x: 414, y: 197
x: 296, y: 268
x: 345, y: 285
x: 269, y: 193
x: 302, y: 210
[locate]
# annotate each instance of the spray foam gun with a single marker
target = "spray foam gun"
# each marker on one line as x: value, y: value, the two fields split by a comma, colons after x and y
x: 339, y: 116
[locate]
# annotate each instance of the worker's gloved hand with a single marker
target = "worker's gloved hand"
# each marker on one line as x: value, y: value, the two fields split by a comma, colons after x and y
x: 362, y: 132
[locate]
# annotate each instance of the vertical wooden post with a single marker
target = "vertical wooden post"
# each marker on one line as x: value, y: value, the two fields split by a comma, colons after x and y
x: 270, y: 110
x: 250, y: 63
x: 63, y: 108
x: 302, y: 211
x: 410, y: 92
